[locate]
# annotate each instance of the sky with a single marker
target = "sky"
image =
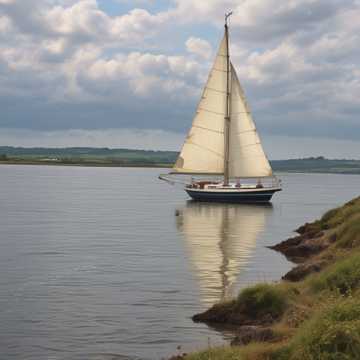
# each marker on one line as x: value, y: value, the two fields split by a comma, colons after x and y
x: 121, y: 73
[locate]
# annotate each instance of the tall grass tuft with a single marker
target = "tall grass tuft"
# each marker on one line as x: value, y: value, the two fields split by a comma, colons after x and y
x: 338, y: 216
x: 342, y: 277
x: 263, y: 299
x: 334, y: 333
x: 349, y: 233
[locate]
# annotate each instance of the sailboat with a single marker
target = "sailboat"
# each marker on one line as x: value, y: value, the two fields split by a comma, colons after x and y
x: 223, y: 141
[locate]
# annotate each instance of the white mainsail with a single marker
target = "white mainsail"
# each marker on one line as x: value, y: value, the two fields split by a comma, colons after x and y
x: 204, y: 148
x: 246, y: 155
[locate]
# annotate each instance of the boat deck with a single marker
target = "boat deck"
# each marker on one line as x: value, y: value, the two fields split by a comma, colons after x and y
x: 217, y: 192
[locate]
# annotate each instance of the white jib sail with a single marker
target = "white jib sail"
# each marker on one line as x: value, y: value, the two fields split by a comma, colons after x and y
x: 203, y: 150
x: 247, y: 157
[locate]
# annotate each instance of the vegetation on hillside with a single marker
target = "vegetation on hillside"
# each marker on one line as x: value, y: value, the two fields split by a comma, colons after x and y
x: 318, y: 165
x: 87, y: 156
x: 315, y: 317
x: 127, y: 157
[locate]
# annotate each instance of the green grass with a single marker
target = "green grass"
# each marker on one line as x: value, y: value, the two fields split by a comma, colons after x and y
x: 219, y: 353
x: 338, y: 216
x: 333, y: 333
x: 317, y: 318
x: 255, y: 351
x: 342, y: 277
x: 349, y: 233
x: 262, y: 303
x: 262, y: 300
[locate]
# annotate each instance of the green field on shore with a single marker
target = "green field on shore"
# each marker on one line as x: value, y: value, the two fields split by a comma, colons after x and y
x: 87, y: 156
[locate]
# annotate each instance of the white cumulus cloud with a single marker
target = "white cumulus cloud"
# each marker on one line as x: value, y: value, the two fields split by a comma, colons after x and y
x: 298, y: 62
x: 199, y: 47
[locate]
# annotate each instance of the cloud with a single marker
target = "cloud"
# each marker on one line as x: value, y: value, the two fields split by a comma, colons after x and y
x: 263, y: 20
x: 199, y: 47
x: 7, y: 1
x: 76, y: 38
x: 292, y: 147
x: 81, y: 21
x: 145, y: 139
x: 68, y: 63
x: 5, y: 25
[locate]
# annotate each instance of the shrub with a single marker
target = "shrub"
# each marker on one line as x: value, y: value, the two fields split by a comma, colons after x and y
x: 263, y: 299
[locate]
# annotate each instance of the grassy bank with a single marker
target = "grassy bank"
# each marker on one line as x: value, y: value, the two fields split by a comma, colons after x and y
x: 314, y: 313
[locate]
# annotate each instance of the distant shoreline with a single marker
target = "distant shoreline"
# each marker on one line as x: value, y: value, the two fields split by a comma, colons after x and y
x: 104, y: 157
x: 83, y: 164
x: 284, y: 169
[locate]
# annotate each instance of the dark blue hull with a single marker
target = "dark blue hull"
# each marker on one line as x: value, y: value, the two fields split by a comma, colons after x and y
x: 263, y: 196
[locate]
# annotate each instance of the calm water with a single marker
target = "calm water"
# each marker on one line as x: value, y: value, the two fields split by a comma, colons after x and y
x: 111, y: 263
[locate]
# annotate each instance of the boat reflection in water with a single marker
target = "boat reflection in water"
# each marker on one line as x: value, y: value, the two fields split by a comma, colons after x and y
x: 220, y: 240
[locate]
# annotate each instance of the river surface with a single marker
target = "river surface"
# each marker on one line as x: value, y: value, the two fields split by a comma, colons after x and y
x: 111, y: 263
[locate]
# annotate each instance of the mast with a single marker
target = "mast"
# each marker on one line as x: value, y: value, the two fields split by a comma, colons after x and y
x: 227, y: 112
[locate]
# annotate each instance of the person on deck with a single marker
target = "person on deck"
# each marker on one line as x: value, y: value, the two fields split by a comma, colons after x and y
x: 259, y: 185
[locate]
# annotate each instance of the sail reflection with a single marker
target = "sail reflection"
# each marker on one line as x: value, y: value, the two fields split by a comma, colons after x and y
x: 220, y: 240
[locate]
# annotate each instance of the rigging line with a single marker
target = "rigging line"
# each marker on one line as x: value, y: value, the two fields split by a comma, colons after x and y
x: 205, y: 148
x: 216, y: 69
x: 212, y: 89
x: 241, y: 112
x: 240, y: 97
x: 204, y: 128
x: 244, y: 132
x: 242, y: 100
x: 210, y: 111
x: 248, y: 145
x: 171, y: 181
x: 197, y: 173
x: 250, y: 156
x: 256, y: 156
